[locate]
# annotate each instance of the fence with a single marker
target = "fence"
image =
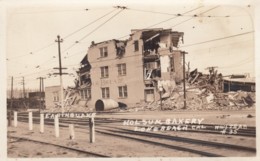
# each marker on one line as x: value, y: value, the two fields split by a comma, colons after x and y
x: 71, y: 130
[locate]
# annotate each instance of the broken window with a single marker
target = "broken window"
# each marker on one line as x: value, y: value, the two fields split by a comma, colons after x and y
x: 152, y: 70
x: 55, y: 96
x: 136, y: 45
x: 149, y: 95
x: 122, y: 91
x: 151, y: 42
x: 151, y: 65
x: 85, y: 79
x: 85, y: 93
x: 103, y: 52
x: 121, y: 69
x: 120, y: 49
x: 105, y: 92
x: 104, y: 72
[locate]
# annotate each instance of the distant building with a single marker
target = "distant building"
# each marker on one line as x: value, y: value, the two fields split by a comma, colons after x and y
x: 130, y: 71
x: 52, y: 96
x: 36, y: 95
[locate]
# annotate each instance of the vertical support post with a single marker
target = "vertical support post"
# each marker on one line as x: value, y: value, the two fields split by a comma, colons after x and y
x: 184, y: 79
x: 15, y: 118
x: 30, y: 120
x: 24, y: 96
x: 160, y: 92
x: 56, y: 125
x: 161, y: 99
x: 41, y: 122
x: 91, y: 130
x: 40, y: 100
x: 72, y: 132
x: 11, y: 108
x: 59, y: 40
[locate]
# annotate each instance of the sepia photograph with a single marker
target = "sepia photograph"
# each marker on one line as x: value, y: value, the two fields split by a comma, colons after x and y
x: 129, y: 79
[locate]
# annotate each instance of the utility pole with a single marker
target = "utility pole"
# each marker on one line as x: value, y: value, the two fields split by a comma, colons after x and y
x: 59, y: 40
x: 41, y: 91
x: 23, y: 83
x: 11, y: 106
x: 24, y: 96
x: 184, y: 79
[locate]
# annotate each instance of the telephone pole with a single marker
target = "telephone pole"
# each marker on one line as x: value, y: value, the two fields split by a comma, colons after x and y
x: 59, y: 40
x: 11, y: 106
x: 184, y: 79
x: 23, y: 83
x: 41, y: 91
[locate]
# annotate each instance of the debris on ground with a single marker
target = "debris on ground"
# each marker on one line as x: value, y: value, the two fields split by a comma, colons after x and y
x: 203, y: 92
x: 72, y: 103
x: 250, y: 116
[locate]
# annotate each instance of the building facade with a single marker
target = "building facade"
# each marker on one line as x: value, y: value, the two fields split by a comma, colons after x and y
x: 130, y: 71
x: 52, y: 96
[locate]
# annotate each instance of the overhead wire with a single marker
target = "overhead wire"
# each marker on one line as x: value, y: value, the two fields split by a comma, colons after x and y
x: 194, y: 17
x: 164, y: 20
x: 106, y: 14
x: 93, y: 30
x: 222, y: 38
x: 156, y: 24
x: 177, y: 14
x: 67, y: 36
x: 44, y: 47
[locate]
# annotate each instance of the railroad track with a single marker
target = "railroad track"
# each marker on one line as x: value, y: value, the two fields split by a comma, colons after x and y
x: 114, y: 128
x: 209, y: 128
x: 91, y: 154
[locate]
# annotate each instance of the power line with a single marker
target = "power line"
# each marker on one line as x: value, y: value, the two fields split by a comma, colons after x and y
x: 222, y: 38
x: 93, y: 30
x: 89, y: 24
x: 101, y: 25
x: 31, y: 53
x: 42, y: 48
x: 165, y: 20
x: 194, y: 17
x: 83, y: 28
x: 238, y: 64
x: 176, y: 16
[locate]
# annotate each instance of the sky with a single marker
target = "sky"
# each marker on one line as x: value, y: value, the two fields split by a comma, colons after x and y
x: 219, y: 35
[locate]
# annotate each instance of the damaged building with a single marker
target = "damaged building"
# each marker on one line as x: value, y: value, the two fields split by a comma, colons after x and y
x: 130, y: 71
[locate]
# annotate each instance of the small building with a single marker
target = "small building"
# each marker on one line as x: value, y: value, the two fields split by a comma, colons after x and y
x: 36, y: 95
x: 52, y: 96
x: 239, y: 82
x: 130, y: 71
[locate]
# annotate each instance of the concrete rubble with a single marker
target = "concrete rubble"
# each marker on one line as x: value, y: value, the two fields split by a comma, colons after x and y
x: 203, y: 92
x: 72, y: 102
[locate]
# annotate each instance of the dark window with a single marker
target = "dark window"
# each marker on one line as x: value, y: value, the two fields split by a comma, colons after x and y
x: 103, y: 52
x: 149, y: 91
x: 121, y: 69
x: 136, y: 44
x: 105, y: 92
x: 55, y: 96
x: 122, y: 91
x: 104, y: 72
